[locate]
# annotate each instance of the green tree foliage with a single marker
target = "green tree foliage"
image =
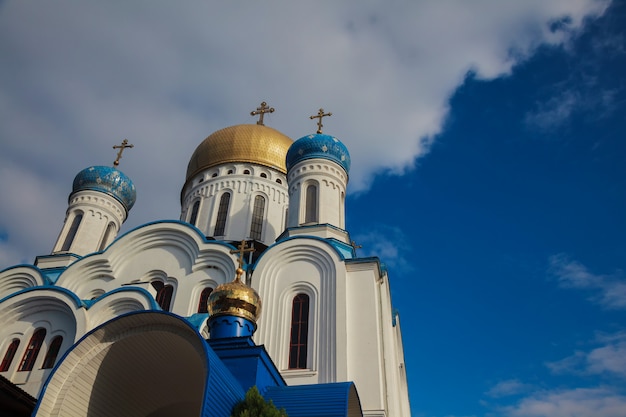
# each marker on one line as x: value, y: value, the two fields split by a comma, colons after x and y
x: 254, y: 405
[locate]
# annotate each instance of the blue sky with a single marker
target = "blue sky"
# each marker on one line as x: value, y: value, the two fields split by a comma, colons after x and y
x: 488, y: 173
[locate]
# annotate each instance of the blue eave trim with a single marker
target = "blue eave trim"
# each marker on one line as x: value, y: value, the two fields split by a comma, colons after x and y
x: 77, y: 301
x: 36, y: 269
x: 327, y: 241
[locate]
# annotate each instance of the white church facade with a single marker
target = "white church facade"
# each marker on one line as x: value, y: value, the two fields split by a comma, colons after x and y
x: 110, y: 324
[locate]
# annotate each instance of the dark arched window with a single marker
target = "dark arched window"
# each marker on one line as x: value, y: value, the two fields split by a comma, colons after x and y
x: 106, y: 236
x: 299, y: 332
x: 71, y: 233
x: 263, y: 175
x: 311, y: 204
x: 163, y: 295
x: 194, y: 212
x: 256, y: 228
x: 32, y: 350
x: 53, y: 352
x: 9, y: 355
x: 204, y: 297
x: 246, y: 172
x: 222, y: 214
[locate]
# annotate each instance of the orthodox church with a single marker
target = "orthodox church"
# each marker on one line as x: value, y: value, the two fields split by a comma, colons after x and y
x: 258, y: 284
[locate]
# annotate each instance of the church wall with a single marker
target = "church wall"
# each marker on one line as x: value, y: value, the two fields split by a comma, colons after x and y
x: 365, y: 354
x: 331, y: 182
x: 98, y: 211
x: 209, y: 186
x: 309, y: 266
x: 51, y: 309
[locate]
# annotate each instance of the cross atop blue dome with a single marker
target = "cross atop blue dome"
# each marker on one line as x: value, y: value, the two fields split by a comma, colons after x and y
x: 109, y: 181
x: 321, y: 146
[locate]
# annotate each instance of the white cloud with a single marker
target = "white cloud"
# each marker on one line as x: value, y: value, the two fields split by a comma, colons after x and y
x: 78, y: 77
x: 610, y: 290
x: 579, y: 402
x: 608, y: 359
x: 507, y: 388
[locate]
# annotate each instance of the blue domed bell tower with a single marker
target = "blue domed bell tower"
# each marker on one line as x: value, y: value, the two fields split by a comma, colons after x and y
x: 99, y: 203
x: 317, y: 171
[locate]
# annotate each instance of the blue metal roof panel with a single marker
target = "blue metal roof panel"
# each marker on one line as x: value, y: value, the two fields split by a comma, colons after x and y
x: 320, y: 400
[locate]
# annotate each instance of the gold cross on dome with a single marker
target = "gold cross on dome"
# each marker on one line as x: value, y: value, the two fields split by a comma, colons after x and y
x: 121, y: 148
x: 241, y: 249
x: 261, y: 112
x: 319, y: 116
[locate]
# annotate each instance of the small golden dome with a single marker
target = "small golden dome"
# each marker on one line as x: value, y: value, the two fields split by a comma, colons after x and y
x: 235, y: 299
x: 257, y: 144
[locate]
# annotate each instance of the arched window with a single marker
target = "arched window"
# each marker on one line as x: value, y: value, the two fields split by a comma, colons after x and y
x: 311, y: 204
x: 163, y: 295
x: 299, y: 332
x: 32, y: 350
x: 9, y: 355
x: 194, y: 212
x: 278, y: 180
x: 246, y: 172
x: 222, y: 214
x: 204, y: 298
x: 71, y: 233
x: 106, y: 236
x: 256, y: 228
x: 263, y: 175
x: 53, y: 352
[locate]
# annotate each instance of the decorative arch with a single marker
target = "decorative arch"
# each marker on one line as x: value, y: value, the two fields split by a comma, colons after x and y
x: 309, y: 266
x: 135, y: 351
x: 19, y: 278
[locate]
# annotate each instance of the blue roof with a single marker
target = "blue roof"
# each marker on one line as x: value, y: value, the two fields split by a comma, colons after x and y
x: 319, y: 400
x: 318, y: 146
x: 109, y: 181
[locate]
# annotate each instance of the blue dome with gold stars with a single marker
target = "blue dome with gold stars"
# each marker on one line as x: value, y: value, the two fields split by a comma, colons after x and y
x: 321, y: 146
x: 108, y: 180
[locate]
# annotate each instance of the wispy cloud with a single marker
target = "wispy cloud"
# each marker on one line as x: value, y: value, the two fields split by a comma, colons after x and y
x: 604, y: 360
x: 508, y: 388
x: 609, y: 290
x: 388, y: 243
x: 578, y: 402
x: 609, y: 358
x: 556, y: 111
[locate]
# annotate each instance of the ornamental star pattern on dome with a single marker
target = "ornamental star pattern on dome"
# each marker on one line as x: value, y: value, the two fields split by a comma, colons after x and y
x: 318, y: 146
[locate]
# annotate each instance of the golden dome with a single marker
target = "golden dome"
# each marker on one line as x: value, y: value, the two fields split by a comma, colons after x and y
x: 256, y: 144
x: 235, y: 299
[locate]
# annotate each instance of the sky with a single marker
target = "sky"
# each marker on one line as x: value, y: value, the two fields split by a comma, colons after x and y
x: 488, y: 161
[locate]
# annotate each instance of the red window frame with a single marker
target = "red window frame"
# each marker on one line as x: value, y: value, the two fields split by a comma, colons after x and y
x: 298, y: 339
x: 32, y: 350
x: 203, y: 306
x: 53, y: 352
x: 9, y: 355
